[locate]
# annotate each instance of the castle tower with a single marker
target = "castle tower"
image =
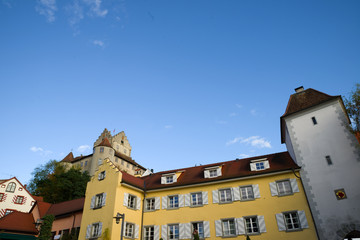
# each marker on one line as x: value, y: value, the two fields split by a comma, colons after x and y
x: 315, y: 131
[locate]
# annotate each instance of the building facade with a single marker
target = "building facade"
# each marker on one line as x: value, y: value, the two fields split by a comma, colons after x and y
x: 115, y: 148
x: 261, y: 197
x: 315, y: 129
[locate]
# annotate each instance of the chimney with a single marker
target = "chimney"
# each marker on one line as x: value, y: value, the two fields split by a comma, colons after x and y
x: 299, y: 89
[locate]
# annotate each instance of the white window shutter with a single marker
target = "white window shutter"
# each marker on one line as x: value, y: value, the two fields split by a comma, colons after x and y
x: 103, y: 199
x: 218, y: 171
x: 136, y: 231
x: 163, y: 180
x: 273, y: 189
x: 206, y: 229
x: 266, y: 164
x: 100, y: 229
x: 294, y: 185
x: 164, y: 202
x: 205, y: 197
x: 181, y: 200
x: 303, y: 220
x: 182, y: 234
x: 164, y: 232
x: 124, y: 229
x: 92, y: 204
x: 280, y: 221
x: 138, y: 203
x: 253, y: 166
x: 88, y: 231
x: 174, y: 178
x: 99, y: 176
x: 126, y: 197
x: 236, y: 192
x: 261, y: 222
x: 156, y: 232
x: 187, y: 200
x: 240, y: 226
x: 256, y: 190
x: 218, y: 228
x: 206, y: 174
x: 215, y: 196
x: 157, y: 203
x: 104, y: 174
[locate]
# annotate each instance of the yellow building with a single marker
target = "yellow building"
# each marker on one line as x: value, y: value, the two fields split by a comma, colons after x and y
x: 260, y: 196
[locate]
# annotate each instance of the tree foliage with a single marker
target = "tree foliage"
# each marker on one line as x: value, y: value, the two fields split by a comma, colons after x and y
x: 352, y: 105
x: 56, y: 184
x: 45, y: 230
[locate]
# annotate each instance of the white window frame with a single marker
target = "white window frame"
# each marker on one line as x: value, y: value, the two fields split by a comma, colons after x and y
x: 290, y: 219
x: 150, y: 204
x: 129, y: 230
x: 249, y: 222
x: 95, y: 230
x: 11, y: 187
x: 101, y: 149
x: 132, y: 201
x: 101, y: 175
x: 17, y: 200
x: 169, y: 179
x: 245, y: 195
x: 98, y: 200
x: 199, y: 225
x: 172, y: 204
x: 149, y: 233
x: 175, y: 229
x: 226, y: 195
x: 227, y: 231
x: 281, y: 187
x: 198, y: 201
x: 213, y: 173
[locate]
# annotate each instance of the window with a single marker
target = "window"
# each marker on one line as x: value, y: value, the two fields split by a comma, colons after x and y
x: 225, y: 195
x: 291, y: 221
x: 328, y: 160
x: 173, y: 231
x: 116, y: 160
x: 122, y: 162
x: 131, y: 201
x: 149, y: 233
x: 150, y: 204
x: 284, y: 187
x: 251, y: 225
x: 101, y: 176
x: 129, y: 230
x: 101, y: 149
x: 314, y: 120
x: 95, y: 230
x: 246, y: 193
x: 169, y: 179
x: 228, y: 227
x: 99, y: 161
x: 173, y: 201
x: 260, y: 166
x: 11, y: 187
x: 196, y: 199
x: 19, y: 200
x: 7, y: 211
x: 198, y: 227
x: 213, y: 173
x: 81, y: 164
x: 85, y: 163
x: 98, y: 201
x: 1, y: 197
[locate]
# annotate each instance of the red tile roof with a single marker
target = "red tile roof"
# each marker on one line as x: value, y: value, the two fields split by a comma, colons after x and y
x: 67, y: 207
x: 303, y: 100
x: 105, y: 142
x: 230, y: 170
x: 69, y: 158
x: 18, y: 222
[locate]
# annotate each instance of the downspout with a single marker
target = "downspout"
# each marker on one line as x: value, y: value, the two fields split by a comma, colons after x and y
x: 142, y: 213
x: 307, y: 200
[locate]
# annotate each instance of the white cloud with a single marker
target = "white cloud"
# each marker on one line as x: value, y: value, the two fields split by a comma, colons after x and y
x: 95, y: 8
x: 253, y: 112
x: 76, y: 13
x: 239, y: 106
x: 254, y: 141
x: 83, y: 148
x: 36, y: 149
x: 98, y: 43
x: 233, y: 114
x: 47, y: 8
x: 168, y: 126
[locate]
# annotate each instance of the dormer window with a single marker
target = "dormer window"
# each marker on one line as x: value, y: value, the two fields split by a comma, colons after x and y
x: 212, y: 172
x: 259, y: 164
x: 168, y: 178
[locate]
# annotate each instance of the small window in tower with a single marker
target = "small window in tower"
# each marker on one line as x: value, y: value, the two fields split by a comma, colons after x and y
x: 101, y: 149
x: 328, y: 160
x: 314, y: 120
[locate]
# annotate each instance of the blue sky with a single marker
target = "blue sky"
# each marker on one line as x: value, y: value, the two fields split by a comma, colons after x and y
x: 190, y: 82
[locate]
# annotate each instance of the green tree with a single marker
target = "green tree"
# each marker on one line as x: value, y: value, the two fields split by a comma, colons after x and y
x: 45, y: 230
x: 56, y: 184
x: 352, y: 105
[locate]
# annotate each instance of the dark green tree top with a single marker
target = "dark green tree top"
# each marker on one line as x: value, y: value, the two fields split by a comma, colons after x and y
x: 352, y: 105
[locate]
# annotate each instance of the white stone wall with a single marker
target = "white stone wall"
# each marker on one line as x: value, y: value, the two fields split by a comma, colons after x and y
x: 310, y: 144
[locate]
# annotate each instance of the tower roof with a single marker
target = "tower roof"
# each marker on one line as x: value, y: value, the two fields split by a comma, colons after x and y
x: 69, y: 158
x: 105, y: 143
x: 302, y: 100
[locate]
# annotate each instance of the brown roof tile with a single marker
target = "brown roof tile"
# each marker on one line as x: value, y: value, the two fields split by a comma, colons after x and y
x: 67, y: 207
x: 69, y: 158
x: 105, y: 142
x: 128, y: 159
x: 231, y: 169
x: 18, y: 222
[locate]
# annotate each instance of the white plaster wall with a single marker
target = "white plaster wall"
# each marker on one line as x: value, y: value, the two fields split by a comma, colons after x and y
x: 311, y: 144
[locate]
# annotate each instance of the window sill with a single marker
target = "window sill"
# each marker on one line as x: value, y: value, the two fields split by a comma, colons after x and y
x: 98, y: 207
x: 196, y: 206
x: 226, y: 202
x: 247, y: 200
